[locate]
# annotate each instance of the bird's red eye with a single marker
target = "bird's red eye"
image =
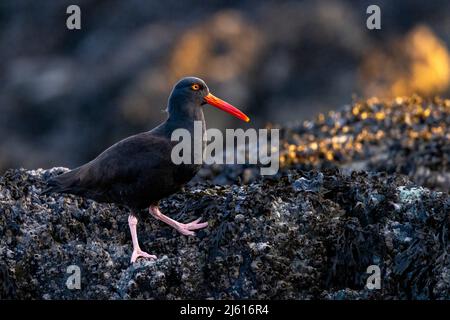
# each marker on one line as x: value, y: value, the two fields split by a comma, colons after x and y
x: 195, y: 87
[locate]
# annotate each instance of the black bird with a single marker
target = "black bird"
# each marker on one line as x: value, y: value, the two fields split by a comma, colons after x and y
x: 138, y: 171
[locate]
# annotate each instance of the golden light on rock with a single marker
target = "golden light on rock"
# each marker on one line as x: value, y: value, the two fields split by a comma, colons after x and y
x: 226, y: 41
x: 417, y: 63
x: 329, y: 155
x: 411, y: 120
x: 380, y: 115
x: 437, y: 130
x: 314, y: 146
x: 364, y: 115
x: 426, y: 113
x: 431, y: 62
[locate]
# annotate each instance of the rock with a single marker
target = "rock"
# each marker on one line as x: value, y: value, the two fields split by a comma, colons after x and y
x: 312, y: 185
x: 408, y: 135
x: 280, y: 244
x: 367, y: 185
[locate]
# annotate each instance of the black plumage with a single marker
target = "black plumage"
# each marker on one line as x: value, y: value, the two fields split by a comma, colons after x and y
x: 138, y: 171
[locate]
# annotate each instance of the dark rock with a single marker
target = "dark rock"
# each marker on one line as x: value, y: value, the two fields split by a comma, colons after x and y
x: 313, y: 185
x: 265, y: 240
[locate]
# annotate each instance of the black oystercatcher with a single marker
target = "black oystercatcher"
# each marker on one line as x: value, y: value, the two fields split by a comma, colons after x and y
x: 138, y: 171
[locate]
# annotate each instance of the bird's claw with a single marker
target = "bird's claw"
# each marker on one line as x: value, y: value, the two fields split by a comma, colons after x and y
x: 138, y: 253
x: 186, y: 228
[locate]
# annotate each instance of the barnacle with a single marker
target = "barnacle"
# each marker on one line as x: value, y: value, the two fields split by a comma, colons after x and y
x: 301, y: 234
x: 366, y: 131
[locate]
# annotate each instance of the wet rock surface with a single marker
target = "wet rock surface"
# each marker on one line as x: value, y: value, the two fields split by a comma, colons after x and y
x: 406, y: 135
x: 367, y: 185
x: 302, y: 235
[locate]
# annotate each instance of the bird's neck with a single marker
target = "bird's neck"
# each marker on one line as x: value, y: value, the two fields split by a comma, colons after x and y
x: 182, y: 120
x: 194, y: 113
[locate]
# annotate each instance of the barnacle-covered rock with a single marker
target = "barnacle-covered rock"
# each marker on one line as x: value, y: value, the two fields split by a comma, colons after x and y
x: 300, y: 235
x: 406, y: 135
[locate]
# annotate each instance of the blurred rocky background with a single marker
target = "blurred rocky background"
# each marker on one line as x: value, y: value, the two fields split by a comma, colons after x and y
x: 368, y: 109
x: 66, y: 95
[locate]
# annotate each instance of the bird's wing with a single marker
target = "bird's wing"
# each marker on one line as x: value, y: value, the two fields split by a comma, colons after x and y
x: 123, y: 166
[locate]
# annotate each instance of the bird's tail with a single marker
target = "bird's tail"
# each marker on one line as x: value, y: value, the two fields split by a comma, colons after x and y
x: 63, y: 183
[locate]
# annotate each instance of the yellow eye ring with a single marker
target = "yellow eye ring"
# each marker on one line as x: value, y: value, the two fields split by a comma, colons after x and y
x: 195, y: 87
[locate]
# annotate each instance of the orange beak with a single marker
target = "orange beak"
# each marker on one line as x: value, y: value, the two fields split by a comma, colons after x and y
x: 225, y: 106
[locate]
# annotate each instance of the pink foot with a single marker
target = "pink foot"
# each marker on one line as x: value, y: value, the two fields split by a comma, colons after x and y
x: 183, y: 228
x: 139, y: 253
x: 186, y: 228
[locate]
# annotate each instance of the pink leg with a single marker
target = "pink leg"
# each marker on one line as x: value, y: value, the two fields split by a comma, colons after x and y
x: 183, y: 228
x: 137, y: 252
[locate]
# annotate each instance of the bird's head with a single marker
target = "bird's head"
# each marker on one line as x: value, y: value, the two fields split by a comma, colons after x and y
x: 192, y: 92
